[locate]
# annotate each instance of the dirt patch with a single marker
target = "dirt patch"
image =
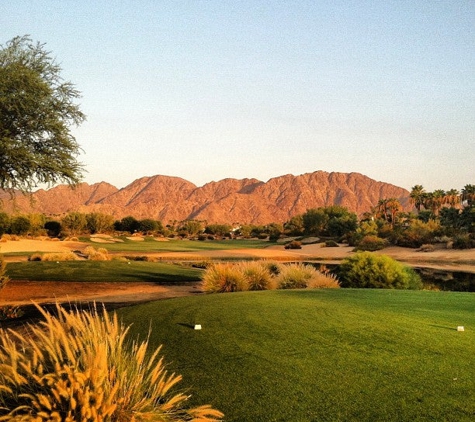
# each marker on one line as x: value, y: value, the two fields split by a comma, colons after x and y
x: 18, y: 293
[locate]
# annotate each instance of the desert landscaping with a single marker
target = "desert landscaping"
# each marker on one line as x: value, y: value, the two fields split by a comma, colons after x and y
x: 24, y: 292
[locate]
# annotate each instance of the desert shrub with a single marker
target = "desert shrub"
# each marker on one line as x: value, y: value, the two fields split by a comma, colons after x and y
x: 273, y: 267
x: 463, y: 241
x: 331, y: 244
x: 365, y: 269
x: 418, y: 233
x: 56, y: 256
x: 301, y: 276
x: 427, y: 248
x: 295, y: 244
x: 371, y: 243
x: 256, y: 275
x: 93, y: 254
x: 35, y: 257
x: 222, y: 278
x: 322, y: 280
x: 79, y: 366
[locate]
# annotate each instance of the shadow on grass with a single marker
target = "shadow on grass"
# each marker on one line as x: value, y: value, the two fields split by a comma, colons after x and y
x: 444, y: 327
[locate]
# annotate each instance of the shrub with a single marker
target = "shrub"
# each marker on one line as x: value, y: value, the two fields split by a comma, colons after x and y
x: 301, y: 276
x: 222, y: 278
x: 257, y: 276
x: 427, y: 248
x: 100, y: 254
x: 463, y: 241
x: 295, y: 244
x: 55, y: 256
x: 323, y: 281
x: 371, y: 243
x: 331, y: 244
x: 364, y: 269
x: 273, y: 267
x: 79, y: 366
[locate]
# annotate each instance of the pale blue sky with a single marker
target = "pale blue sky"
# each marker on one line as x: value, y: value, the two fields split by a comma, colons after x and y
x: 206, y: 90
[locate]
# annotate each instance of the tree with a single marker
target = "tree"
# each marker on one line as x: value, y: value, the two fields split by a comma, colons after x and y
x: 20, y: 225
x: 4, y: 223
x: 468, y: 195
x: 99, y: 223
x: 36, y: 111
x: 417, y: 196
x: 452, y: 197
x: 74, y: 222
x: 127, y: 224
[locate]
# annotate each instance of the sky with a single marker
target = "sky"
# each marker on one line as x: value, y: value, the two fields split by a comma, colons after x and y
x: 212, y: 89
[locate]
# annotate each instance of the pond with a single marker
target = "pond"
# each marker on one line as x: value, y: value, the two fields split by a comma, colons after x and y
x: 455, y: 281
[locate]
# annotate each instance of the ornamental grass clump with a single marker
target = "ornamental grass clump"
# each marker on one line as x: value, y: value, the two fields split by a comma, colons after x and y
x: 257, y: 276
x: 78, y: 366
x: 301, y: 276
x: 264, y: 275
x: 93, y: 254
x: 222, y: 278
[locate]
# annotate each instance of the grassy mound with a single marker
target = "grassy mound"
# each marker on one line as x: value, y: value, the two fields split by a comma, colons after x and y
x: 326, y: 355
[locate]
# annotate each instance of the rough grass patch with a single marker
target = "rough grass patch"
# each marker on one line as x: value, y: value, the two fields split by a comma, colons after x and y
x: 79, y: 366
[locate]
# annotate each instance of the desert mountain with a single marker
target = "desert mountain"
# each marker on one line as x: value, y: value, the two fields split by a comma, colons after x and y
x: 168, y: 198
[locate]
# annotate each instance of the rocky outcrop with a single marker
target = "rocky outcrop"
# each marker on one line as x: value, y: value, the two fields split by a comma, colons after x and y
x: 168, y: 198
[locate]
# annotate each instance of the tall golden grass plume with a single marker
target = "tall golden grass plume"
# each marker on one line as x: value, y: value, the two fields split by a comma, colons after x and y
x: 79, y: 366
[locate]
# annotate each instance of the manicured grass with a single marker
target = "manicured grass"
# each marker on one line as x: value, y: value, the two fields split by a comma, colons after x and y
x: 102, y: 271
x: 321, y: 355
x: 151, y: 245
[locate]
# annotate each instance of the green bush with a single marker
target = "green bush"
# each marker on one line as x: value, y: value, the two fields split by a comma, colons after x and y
x: 463, y: 241
x: 367, y: 270
x: 79, y: 366
x: 371, y: 243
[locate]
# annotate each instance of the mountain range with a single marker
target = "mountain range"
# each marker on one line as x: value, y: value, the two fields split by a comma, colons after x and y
x: 168, y: 198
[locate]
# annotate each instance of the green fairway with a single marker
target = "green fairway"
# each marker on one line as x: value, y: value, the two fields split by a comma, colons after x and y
x: 101, y: 271
x: 151, y: 245
x: 321, y: 355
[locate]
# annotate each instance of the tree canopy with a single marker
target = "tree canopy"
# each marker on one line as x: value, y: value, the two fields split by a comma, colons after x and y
x: 37, y: 109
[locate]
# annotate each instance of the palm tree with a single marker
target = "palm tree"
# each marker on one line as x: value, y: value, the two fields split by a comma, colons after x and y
x: 417, y: 196
x: 382, y: 208
x: 468, y: 194
x: 393, y: 206
x: 452, y: 197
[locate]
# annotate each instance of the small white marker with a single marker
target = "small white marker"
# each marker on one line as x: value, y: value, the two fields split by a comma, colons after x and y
x: 460, y: 328
x: 197, y: 326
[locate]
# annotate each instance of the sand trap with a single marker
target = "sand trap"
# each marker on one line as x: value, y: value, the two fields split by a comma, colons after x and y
x: 27, y: 245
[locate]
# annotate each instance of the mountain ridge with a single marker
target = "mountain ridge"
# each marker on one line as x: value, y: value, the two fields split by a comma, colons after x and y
x: 229, y: 200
